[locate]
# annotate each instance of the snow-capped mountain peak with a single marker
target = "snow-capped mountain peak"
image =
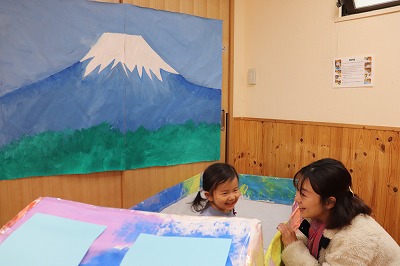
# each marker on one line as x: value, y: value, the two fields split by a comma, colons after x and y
x: 129, y: 50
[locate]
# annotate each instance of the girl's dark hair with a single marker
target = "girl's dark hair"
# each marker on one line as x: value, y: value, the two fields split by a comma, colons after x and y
x: 214, y: 175
x: 330, y: 178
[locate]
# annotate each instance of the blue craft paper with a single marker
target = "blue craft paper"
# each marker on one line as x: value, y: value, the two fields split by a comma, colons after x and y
x: 49, y: 240
x: 152, y: 250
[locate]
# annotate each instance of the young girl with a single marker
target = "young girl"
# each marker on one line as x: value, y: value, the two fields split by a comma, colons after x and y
x: 220, y: 191
x: 338, y: 229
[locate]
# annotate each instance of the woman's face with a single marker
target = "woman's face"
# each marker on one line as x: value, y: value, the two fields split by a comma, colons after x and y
x: 225, y: 196
x: 310, y: 205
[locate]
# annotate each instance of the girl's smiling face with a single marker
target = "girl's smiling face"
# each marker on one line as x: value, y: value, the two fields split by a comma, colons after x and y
x: 225, y: 196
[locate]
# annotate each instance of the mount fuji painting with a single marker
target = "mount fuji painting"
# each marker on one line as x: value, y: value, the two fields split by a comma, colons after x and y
x: 120, y: 87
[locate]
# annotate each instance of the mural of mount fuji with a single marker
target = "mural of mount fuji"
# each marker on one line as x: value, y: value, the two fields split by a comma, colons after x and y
x: 111, y: 103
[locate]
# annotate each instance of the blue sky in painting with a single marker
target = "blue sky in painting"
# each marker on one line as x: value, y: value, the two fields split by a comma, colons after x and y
x: 39, y: 38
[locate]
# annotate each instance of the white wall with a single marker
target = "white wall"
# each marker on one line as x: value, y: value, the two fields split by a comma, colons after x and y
x: 292, y: 43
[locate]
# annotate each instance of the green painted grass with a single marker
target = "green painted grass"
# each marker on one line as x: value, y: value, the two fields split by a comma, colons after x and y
x: 102, y: 148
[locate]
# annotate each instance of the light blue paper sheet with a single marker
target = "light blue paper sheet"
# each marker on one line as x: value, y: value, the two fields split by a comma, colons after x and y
x: 46, y: 240
x: 152, y: 250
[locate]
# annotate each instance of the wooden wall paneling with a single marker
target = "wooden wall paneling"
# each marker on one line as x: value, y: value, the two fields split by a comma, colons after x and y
x: 335, y: 142
x: 244, y: 136
x: 385, y: 152
x: 255, y: 151
x: 172, y: 5
x: 296, y: 147
x: 362, y: 156
x: 371, y: 155
x: 283, y: 148
x: 315, y: 141
x: 102, y: 189
x: 298, y: 156
x: 108, y: 1
x: 158, y: 4
x: 378, y: 171
x: 142, y: 3
x: 391, y: 219
x: 234, y: 141
x: 268, y: 165
x: 216, y: 11
x: 349, y: 155
x: 310, y: 150
x: 345, y: 151
x: 269, y: 146
x: 187, y: 7
x: 200, y: 9
x: 321, y: 141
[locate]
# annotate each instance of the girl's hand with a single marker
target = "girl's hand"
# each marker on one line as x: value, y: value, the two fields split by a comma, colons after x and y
x: 288, y: 235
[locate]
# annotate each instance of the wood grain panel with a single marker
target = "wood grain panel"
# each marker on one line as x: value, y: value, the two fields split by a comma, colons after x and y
x: 102, y: 189
x: 109, y: 1
x: 392, y: 211
x: 281, y: 148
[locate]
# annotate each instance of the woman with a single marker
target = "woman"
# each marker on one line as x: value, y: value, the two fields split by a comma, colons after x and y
x: 338, y: 229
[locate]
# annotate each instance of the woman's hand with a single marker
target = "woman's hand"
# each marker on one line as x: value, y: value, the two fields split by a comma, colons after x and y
x: 288, y: 235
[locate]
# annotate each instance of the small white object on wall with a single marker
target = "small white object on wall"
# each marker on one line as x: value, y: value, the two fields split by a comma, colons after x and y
x: 251, y: 76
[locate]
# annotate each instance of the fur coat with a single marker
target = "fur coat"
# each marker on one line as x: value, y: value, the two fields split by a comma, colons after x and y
x: 363, y: 243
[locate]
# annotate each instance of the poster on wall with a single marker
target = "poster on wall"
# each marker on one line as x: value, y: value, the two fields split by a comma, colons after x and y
x: 89, y: 87
x: 353, y: 72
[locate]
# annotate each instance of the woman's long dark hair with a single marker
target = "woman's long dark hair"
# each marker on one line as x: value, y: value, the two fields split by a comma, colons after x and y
x: 214, y: 175
x: 330, y: 178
